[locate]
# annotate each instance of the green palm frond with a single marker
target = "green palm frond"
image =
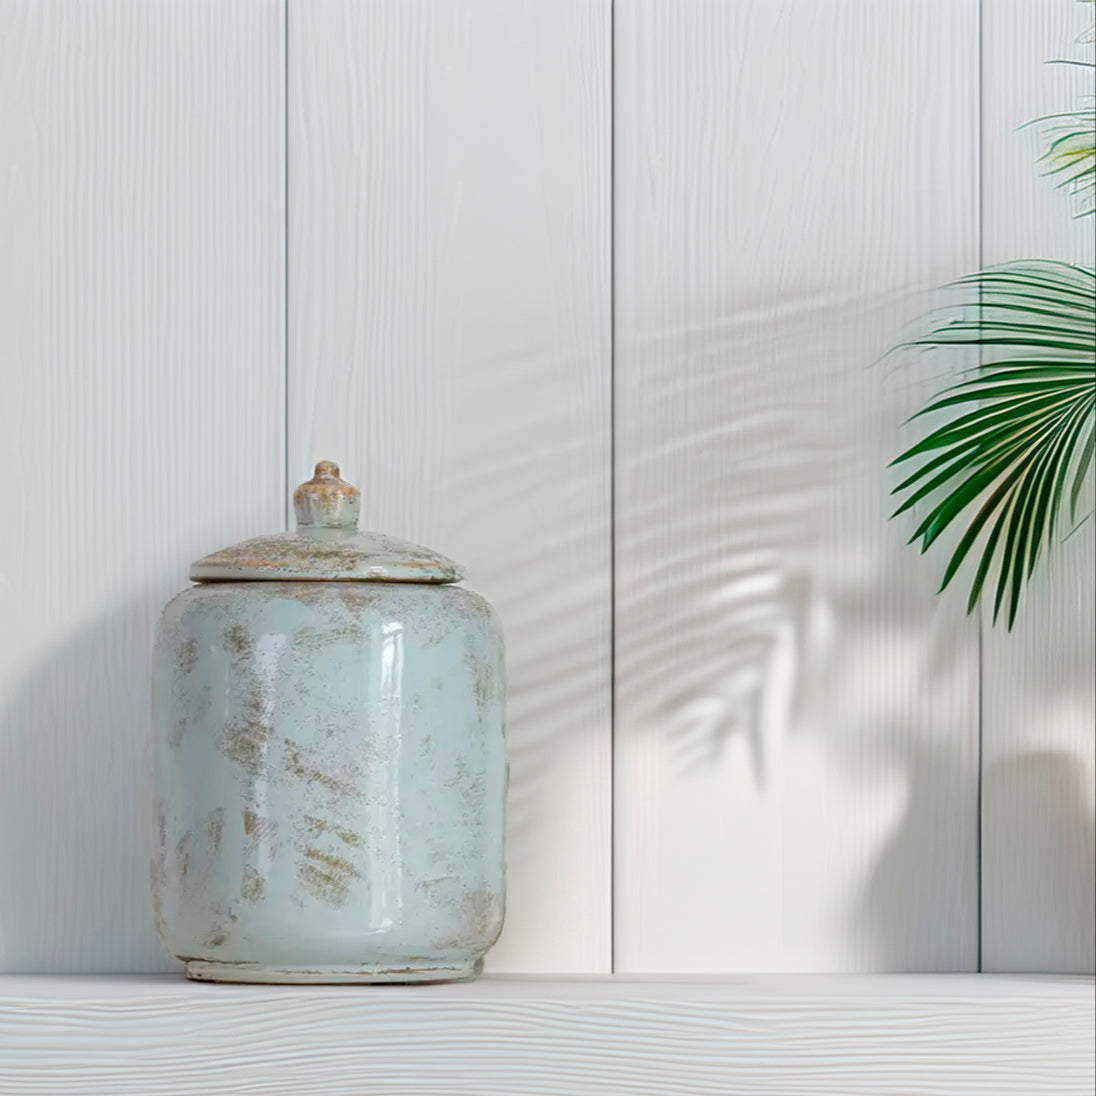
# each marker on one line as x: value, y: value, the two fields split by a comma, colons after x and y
x: 1070, y: 154
x: 1018, y: 446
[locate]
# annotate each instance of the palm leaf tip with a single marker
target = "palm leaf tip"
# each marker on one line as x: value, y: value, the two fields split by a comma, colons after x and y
x: 1089, y: 33
x: 1018, y: 441
x: 1069, y: 154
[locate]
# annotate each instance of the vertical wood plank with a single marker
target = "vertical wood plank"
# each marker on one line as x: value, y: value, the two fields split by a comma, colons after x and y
x: 449, y: 320
x: 1039, y: 684
x: 141, y: 421
x: 796, y: 710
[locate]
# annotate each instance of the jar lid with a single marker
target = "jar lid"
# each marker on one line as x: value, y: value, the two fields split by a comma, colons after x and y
x: 327, y: 545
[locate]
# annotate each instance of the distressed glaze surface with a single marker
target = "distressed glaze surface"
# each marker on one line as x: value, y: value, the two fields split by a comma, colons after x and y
x: 326, y: 545
x: 323, y: 554
x: 330, y: 779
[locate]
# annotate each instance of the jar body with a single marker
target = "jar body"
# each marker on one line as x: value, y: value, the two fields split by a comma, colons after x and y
x: 330, y: 780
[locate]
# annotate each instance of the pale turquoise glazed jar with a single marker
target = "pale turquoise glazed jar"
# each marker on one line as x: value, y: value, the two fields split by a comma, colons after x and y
x: 330, y: 768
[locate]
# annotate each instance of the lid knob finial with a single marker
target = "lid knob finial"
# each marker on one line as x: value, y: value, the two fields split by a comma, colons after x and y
x: 326, y: 500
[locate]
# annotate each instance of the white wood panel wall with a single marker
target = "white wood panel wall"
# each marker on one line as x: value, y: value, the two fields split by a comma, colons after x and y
x: 1039, y: 707
x: 796, y: 763
x: 796, y: 778
x: 449, y: 324
x: 141, y: 416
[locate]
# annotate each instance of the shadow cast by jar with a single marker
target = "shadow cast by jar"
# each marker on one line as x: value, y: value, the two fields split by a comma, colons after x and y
x: 74, y: 893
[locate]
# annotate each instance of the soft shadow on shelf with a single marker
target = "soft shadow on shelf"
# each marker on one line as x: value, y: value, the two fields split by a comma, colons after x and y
x: 914, y: 912
x: 1040, y: 879
x: 74, y: 885
x: 901, y: 665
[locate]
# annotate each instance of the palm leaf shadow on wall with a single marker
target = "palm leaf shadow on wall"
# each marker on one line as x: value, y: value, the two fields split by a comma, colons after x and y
x: 747, y: 483
x: 753, y: 623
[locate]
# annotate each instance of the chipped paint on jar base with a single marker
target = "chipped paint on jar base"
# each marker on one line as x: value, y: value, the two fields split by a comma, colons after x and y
x: 199, y: 970
x: 330, y: 760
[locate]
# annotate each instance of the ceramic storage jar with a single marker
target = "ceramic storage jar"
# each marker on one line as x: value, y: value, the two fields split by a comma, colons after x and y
x: 330, y: 770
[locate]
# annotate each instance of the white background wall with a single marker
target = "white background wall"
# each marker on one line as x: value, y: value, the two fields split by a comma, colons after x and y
x: 594, y: 298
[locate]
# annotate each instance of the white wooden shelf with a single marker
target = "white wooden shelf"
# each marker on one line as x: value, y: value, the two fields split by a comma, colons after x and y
x: 875, y: 1035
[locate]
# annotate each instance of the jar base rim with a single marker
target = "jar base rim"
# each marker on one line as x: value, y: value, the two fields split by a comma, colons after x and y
x: 458, y: 970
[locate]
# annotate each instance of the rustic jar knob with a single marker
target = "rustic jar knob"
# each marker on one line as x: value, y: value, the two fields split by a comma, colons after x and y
x: 326, y: 500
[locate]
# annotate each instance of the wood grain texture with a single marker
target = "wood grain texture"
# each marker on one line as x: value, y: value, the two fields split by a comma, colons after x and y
x: 141, y: 362
x: 449, y: 319
x: 1039, y: 686
x: 944, y: 1035
x: 796, y: 730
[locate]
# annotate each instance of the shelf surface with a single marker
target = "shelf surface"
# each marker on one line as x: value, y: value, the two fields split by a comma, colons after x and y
x: 648, y: 1035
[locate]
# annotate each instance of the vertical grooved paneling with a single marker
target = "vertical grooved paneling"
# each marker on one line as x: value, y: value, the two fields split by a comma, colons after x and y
x: 140, y: 421
x: 796, y: 734
x: 449, y: 314
x: 1039, y: 685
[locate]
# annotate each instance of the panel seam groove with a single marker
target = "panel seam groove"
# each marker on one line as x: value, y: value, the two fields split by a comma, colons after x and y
x: 285, y: 261
x: 981, y: 616
x: 612, y: 490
